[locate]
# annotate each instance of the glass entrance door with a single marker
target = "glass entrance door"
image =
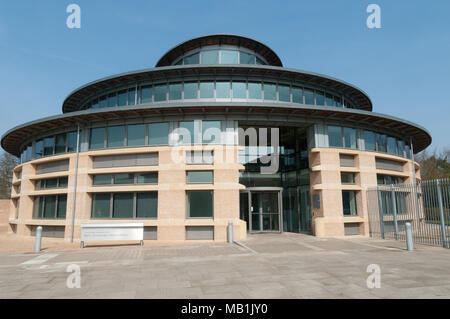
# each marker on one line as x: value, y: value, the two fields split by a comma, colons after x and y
x: 265, y: 211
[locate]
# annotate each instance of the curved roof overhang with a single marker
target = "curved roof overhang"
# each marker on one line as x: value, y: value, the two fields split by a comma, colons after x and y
x: 13, y: 139
x: 220, y: 39
x: 73, y: 101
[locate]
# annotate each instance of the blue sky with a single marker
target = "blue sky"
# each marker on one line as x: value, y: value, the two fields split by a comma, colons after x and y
x: 404, y: 66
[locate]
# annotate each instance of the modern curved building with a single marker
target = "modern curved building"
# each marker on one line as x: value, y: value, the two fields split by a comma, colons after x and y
x: 217, y: 131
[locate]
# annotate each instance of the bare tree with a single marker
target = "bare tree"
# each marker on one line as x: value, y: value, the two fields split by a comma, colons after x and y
x: 434, y: 165
x: 7, y: 164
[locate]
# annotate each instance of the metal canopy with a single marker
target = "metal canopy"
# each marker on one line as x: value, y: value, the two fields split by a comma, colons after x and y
x: 13, y: 139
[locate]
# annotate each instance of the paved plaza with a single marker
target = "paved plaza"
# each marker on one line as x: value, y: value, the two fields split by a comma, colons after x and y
x: 265, y: 266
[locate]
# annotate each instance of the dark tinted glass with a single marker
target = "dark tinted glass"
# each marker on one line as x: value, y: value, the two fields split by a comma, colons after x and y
x: 284, y: 93
x: 103, y: 179
x: 200, y: 204
x: 49, y: 144
x: 124, y: 178
x: 160, y: 92
x: 147, y: 178
x: 158, y: 134
x: 309, y: 97
x: 122, y: 98
x: 97, y: 138
x: 370, y: 141
x: 62, y: 206
x: 136, y: 135
x: 335, y: 136
x: 71, y: 142
x: 101, y: 206
x: 60, y: 143
x: 146, y: 94
x: 147, y: 205
x: 123, y: 205
x: 116, y: 135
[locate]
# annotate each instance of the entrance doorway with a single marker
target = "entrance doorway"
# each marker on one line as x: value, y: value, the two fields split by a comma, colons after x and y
x: 261, y: 209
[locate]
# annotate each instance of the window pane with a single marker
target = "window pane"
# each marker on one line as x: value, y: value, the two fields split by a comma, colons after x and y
x: 124, y: 178
x: 229, y: 57
x: 160, y: 92
x: 329, y: 100
x: 309, y: 97
x: 175, y: 91
x: 211, y: 132
x: 320, y: 98
x: 392, y: 146
x: 146, y: 94
x: 246, y: 58
x: 337, y: 101
x: 147, y: 178
x: 297, y: 95
x: 60, y: 143
x: 192, y: 59
x: 51, y: 183
x: 206, y: 90
x: 101, y: 206
x: 97, y: 138
x: 347, y: 178
x: 284, y: 93
x: 401, y: 148
x: 136, y: 135
x: 147, y: 205
x: 191, y: 90
x: 205, y: 177
x: 200, y: 203
x: 62, y: 182
x: 239, y: 90
x: 112, y: 101
x: 28, y: 153
x: 123, y: 205
x: 255, y: 91
x: 270, y: 91
x: 95, y: 104
x: 50, y: 207
x: 381, y: 143
x: 158, y: 134
x: 223, y: 90
x: 369, y: 141
x: 104, y: 179
x: 116, y: 135
x: 38, y: 207
x: 210, y: 57
x: 186, y: 132
x: 131, y: 96
x: 349, y: 203
x: 49, y: 143
x: 62, y: 206
x: 39, y: 149
x: 335, y: 136
x: 122, y: 98
x: 71, y: 142
x: 350, y: 137
x: 102, y: 101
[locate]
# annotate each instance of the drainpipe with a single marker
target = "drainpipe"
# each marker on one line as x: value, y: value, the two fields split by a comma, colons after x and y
x: 75, y: 182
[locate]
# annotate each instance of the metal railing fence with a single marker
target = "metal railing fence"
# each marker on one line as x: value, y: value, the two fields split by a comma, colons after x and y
x: 426, y: 205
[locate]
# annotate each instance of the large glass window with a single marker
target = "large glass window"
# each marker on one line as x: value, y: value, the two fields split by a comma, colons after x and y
x: 102, y: 102
x: 309, y: 97
x: 190, y: 90
x: 329, y: 100
x: 200, y: 204
x: 210, y: 57
x: 146, y: 94
x: 381, y: 143
x: 50, y: 207
x: 122, y: 98
x: 123, y: 205
x: 147, y: 205
x: 136, y: 135
x: 297, y: 95
x: 187, y: 133
x: 246, y: 58
x: 160, y: 92
x: 270, y: 91
x: 49, y: 144
x: 103, y: 179
x: 53, y: 206
x: 206, y: 90
x: 192, y: 59
x: 349, y: 203
x: 350, y: 137
x: 335, y: 136
x: 62, y: 206
x: 124, y: 178
x: 320, y: 98
x: 60, y: 143
x: 223, y: 90
x: 239, y: 90
x: 116, y: 135
x: 337, y: 101
x: 97, y: 138
x: 101, y: 205
x: 147, y: 178
x: 392, y: 146
x: 158, y: 134
x: 132, y: 97
x: 39, y: 149
x: 175, y: 91
x: 200, y: 177
x: 284, y: 93
x: 254, y: 91
x: 347, y: 178
x: 71, y: 142
x: 401, y: 147
x: 112, y: 100
x: 370, y: 141
x: 229, y: 57
x: 211, y: 132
